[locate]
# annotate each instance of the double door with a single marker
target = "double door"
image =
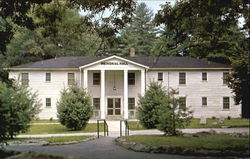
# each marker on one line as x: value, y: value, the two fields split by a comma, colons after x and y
x: 114, y: 106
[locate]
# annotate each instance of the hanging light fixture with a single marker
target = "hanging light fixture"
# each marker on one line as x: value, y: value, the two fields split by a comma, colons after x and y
x: 114, y: 88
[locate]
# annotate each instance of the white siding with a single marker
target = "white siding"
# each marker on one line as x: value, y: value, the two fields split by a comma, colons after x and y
x: 195, y: 89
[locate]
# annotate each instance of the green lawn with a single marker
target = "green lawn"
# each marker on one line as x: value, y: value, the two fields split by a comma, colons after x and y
x: 45, y: 121
x: 195, y: 123
x: 57, y: 139
x: 219, y: 141
x: 58, y: 129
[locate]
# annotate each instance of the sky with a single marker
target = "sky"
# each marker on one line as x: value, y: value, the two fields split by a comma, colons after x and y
x: 154, y: 5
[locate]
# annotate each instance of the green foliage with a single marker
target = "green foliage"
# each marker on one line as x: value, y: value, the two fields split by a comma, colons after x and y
x: 139, y: 34
x: 74, y: 108
x: 160, y: 109
x: 149, y: 104
x: 172, y: 115
x: 240, y: 83
x: 18, y: 107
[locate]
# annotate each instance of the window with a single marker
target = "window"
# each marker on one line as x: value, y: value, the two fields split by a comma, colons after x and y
x: 96, y: 103
x: 182, y: 78
x: 25, y: 78
x: 71, y: 78
x: 96, y: 78
x: 48, y: 102
x: 225, y: 76
x: 131, y: 78
x: 204, y: 76
x: 182, y: 102
x: 131, y: 103
x: 160, y: 76
x: 226, y: 102
x: 47, y: 77
x: 204, y: 101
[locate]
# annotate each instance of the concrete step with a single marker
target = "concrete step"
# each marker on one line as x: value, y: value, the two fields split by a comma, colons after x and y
x: 114, y: 126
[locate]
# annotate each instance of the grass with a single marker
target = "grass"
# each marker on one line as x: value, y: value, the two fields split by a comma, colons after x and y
x: 56, y: 139
x: 195, y: 123
x: 65, y: 138
x: 45, y: 121
x: 60, y: 129
x: 210, y: 142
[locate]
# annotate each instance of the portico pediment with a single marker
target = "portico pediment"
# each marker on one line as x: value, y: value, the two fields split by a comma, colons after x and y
x: 114, y: 63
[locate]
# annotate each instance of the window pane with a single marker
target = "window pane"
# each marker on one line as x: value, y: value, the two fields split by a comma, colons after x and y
x: 225, y: 76
x: 117, y: 111
x: 48, y: 102
x: 131, y: 78
x: 204, y: 101
x: 204, y: 76
x: 131, y: 103
x: 96, y: 103
x: 25, y: 78
x: 160, y: 76
x: 182, y: 102
x: 71, y: 78
x: 182, y: 78
x: 96, y: 78
x: 48, y: 77
x: 226, y: 102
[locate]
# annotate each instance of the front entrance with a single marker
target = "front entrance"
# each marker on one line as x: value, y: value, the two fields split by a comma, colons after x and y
x: 114, y: 106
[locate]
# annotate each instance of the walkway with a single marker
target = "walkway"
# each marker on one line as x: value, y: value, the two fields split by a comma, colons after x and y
x: 102, y: 148
x: 142, y: 132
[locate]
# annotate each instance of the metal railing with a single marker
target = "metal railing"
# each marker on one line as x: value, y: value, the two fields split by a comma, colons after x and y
x: 105, y: 128
x: 126, y: 127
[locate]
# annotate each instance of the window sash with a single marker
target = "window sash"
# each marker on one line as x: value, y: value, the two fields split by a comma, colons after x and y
x: 48, y: 77
x: 25, y: 78
x: 204, y: 76
x: 96, y: 78
x: 226, y: 102
x: 131, y: 103
x: 96, y: 103
x: 131, y: 78
x: 182, y: 78
x: 204, y: 101
x: 160, y: 76
x: 71, y: 78
x: 48, y: 102
x: 225, y: 76
x: 182, y: 101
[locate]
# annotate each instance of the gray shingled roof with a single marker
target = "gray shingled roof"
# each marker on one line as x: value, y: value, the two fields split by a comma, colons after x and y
x: 152, y: 62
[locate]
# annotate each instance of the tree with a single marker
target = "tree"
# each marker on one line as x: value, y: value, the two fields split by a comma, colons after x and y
x: 74, y: 108
x: 172, y: 115
x: 239, y: 82
x: 18, y: 106
x: 140, y: 33
x: 211, y: 30
x: 149, y: 104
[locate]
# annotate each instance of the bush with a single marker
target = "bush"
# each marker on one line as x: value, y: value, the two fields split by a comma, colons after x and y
x: 74, y: 108
x: 18, y: 106
x: 172, y: 115
x: 147, y: 112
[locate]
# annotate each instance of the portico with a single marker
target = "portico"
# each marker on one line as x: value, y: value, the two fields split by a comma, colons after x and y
x: 117, y: 82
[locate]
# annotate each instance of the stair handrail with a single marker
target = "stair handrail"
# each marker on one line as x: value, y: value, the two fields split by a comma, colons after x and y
x: 105, y: 128
x: 126, y: 127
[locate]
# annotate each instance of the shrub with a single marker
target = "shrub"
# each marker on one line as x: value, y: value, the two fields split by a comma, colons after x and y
x: 147, y: 112
x: 172, y: 115
x: 18, y: 106
x: 74, y: 108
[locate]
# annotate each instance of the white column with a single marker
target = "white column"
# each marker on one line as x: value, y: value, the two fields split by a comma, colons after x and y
x: 102, y: 102
x: 125, y: 97
x: 142, y: 82
x: 85, y: 79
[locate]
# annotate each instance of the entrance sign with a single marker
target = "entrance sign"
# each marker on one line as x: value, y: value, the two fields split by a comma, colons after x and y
x: 114, y: 63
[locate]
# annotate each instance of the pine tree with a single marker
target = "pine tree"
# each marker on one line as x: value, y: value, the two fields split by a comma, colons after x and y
x: 140, y: 34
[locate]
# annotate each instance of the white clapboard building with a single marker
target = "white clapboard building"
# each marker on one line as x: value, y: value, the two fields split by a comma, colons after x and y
x: 115, y: 83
